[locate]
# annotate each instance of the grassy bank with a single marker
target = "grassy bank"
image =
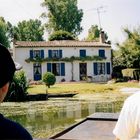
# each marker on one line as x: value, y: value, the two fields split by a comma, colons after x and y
x: 82, y: 88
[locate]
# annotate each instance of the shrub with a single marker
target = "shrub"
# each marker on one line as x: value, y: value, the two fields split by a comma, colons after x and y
x: 61, y: 35
x: 18, y: 88
x: 49, y: 79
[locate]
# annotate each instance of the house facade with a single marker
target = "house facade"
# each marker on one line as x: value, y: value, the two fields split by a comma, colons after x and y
x: 67, y: 60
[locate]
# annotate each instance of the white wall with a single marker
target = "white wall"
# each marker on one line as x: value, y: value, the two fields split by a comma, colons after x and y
x: 20, y: 54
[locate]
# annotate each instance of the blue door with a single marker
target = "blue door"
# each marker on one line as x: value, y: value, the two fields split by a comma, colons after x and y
x: 37, y: 72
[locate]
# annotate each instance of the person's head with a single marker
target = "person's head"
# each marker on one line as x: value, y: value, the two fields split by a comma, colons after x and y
x: 7, y: 70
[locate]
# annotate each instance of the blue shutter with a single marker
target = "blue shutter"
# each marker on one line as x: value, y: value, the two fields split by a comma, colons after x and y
x: 42, y: 53
x: 31, y: 54
x: 49, y: 67
x: 95, y: 68
x: 108, y: 67
x: 82, y: 53
x: 102, y: 53
x: 49, y: 53
x: 62, y: 69
x: 60, y: 53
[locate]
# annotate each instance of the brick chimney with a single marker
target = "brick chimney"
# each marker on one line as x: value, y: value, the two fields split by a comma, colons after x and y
x: 102, y: 37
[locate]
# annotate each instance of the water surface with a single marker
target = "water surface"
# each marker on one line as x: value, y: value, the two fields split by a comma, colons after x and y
x: 46, y: 118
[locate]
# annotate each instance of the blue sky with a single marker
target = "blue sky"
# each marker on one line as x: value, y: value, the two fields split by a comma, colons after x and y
x: 115, y: 14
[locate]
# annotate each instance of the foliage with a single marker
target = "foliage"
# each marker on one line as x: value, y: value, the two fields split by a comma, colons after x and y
x: 61, y: 35
x: 66, y: 59
x: 31, y: 30
x: 94, y: 33
x: 128, y: 53
x: 18, y: 87
x: 49, y: 79
x: 3, y: 33
x: 63, y: 15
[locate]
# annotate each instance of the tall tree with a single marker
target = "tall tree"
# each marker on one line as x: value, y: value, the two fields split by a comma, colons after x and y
x: 31, y: 30
x: 94, y: 33
x: 3, y: 33
x: 128, y: 53
x: 63, y: 15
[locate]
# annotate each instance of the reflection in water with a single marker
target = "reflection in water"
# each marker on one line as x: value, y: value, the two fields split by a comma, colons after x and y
x: 43, y: 120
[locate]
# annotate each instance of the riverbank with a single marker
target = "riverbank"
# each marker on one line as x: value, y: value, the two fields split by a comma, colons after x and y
x: 83, y: 88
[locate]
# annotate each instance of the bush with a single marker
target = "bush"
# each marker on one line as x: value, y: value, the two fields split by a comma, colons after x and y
x: 49, y: 79
x: 61, y: 35
x: 18, y: 88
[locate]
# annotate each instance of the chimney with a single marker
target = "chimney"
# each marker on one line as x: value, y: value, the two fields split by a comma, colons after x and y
x: 102, y: 37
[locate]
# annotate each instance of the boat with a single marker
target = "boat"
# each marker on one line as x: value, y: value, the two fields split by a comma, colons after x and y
x: 98, y: 126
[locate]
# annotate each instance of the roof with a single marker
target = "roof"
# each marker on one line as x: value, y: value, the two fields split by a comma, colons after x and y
x: 62, y: 43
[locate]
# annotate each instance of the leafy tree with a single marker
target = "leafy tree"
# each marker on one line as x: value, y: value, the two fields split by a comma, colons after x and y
x: 31, y: 30
x: 63, y: 15
x: 128, y: 53
x: 94, y: 33
x: 3, y: 33
x: 61, y: 35
x: 49, y: 79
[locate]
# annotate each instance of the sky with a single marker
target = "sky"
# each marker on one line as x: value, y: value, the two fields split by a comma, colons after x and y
x: 114, y: 15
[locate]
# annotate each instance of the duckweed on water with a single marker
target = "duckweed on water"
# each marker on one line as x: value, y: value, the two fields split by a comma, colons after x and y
x: 46, y: 118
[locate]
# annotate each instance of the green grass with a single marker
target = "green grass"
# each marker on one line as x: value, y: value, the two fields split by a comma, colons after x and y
x: 81, y: 88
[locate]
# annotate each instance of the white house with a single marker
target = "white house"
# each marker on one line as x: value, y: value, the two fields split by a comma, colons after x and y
x: 68, y: 60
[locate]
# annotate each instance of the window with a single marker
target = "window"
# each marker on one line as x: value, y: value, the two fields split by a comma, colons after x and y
x: 55, y: 53
x: 58, y: 69
x: 101, y: 68
x: 36, y: 53
x: 98, y: 68
x: 102, y: 53
x: 82, y: 53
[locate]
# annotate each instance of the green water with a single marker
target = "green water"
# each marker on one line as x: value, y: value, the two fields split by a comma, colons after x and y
x: 46, y: 118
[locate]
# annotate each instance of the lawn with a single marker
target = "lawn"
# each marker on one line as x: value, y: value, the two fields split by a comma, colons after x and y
x: 82, y: 88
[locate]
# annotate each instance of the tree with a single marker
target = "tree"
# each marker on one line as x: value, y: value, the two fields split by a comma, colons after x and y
x: 94, y: 33
x: 49, y: 79
x: 128, y: 53
x: 3, y: 33
x: 63, y: 15
x: 61, y: 35
x: 31, y: 30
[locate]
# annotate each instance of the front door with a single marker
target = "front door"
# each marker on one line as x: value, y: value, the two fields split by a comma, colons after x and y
x: 83, y: 71
x: 37, y: 71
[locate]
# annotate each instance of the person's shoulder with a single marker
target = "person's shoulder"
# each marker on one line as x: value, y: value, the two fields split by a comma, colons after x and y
x: 133, y: 98
x: 13, y: 130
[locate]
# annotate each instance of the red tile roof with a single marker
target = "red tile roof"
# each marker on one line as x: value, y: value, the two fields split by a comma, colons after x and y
x: 62, y: 43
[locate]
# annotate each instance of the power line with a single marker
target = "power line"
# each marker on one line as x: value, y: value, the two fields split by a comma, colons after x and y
x: 23, y: 7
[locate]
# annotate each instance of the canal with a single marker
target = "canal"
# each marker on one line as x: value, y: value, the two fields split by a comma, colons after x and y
x: 46, y: 118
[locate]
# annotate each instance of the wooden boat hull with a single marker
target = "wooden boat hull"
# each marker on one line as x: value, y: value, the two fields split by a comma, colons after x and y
x: 98, y: 126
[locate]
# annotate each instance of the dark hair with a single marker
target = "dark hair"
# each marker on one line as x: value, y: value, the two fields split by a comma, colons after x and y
x: 7, y: 66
